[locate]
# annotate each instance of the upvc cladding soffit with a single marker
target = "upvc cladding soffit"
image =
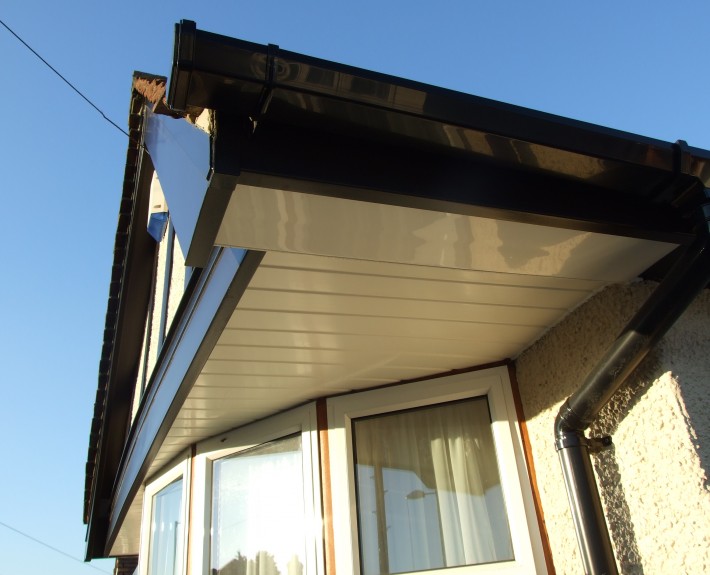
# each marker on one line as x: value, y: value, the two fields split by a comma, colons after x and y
x: 308, y: 326
x: 294, y: 222
x: 308, y: 216
x: 313, y: 242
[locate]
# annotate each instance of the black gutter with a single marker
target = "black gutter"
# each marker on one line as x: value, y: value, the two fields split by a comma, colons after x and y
x: 210, y: 69
x: 687, y: 278
x: 218, y: 72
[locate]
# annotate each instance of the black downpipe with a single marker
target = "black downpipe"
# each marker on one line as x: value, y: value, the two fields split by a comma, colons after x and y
x: 684, y: 282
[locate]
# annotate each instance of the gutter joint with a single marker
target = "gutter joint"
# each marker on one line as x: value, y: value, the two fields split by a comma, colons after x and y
x: 568, y: 422
x: 705, y: 211
x: 268, y: 88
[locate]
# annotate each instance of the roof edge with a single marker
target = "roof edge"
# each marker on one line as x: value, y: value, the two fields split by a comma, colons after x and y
x: 207, y: 67
x: 128, y: 246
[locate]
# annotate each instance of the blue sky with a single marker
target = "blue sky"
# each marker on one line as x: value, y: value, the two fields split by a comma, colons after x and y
x: 635, y: 66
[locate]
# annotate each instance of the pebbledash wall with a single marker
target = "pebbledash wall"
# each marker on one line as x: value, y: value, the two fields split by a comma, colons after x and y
x: 654, y: 482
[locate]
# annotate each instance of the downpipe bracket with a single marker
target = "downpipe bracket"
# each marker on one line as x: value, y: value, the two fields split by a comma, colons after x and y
x: 577, y: 439
x: 599, y: 444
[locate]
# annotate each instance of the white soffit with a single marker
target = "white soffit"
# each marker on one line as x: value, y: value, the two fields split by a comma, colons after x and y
x: 411, y: 294
x: 310, y: 326
x: 271, y: 219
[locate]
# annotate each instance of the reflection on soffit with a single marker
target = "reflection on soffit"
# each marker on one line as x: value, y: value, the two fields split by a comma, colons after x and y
x: 287, y: 221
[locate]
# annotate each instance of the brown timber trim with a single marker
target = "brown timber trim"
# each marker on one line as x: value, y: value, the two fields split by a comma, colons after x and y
x: 439, y: 375
x: 530, y: 464
x: 326, y: 487
x: 190, y: 506
x: 126, y: 565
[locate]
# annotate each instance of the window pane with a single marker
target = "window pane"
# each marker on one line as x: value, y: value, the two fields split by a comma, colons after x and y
x: 258, y: 511
x: 428, y: 489
x: 166, y: 531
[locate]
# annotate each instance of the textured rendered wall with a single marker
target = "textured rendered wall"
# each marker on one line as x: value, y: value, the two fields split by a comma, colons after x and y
x: 654, y: 482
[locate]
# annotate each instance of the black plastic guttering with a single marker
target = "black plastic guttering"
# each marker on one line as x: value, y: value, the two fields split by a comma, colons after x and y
x: 218, y: 72
x: 689, y: 275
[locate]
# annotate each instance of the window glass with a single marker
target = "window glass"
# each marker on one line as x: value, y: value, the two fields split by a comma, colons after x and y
x: 428, y: 489
x: 165, y: 549
x: 258, y: 524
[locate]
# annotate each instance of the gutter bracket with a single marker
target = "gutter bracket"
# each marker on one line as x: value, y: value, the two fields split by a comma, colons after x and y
x: 692, y: 194
x: 683, y: 158
x: 267, y: 90
x: 705, y: 209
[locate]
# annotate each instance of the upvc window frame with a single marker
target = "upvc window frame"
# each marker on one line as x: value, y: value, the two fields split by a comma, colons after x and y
x: 494, y: 384
x: 180, y: 470
x: 301, y: 420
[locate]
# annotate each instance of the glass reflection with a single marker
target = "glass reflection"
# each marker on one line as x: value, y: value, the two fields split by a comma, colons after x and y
x: 258, y: 511
x: 165, y: 549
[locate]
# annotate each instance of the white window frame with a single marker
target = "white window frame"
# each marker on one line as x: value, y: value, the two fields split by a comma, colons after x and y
x: 179, y: 470
x: 492, y: 383
x: 300, y: 420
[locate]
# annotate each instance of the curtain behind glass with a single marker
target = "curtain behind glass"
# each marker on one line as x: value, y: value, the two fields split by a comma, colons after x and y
x: 166, y: 529
x: 428, y: 488
x: 258, y: 511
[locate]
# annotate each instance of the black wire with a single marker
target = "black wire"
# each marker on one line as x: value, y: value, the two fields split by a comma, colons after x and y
x: 67, y: 82
x: 11, y: 528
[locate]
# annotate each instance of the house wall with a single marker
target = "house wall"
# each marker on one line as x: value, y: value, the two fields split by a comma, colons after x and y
x: 170, y: 260
x: 654, y: 483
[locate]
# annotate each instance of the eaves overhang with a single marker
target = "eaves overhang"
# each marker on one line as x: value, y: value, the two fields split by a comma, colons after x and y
x: 288, y: 121
x: 307, y: 150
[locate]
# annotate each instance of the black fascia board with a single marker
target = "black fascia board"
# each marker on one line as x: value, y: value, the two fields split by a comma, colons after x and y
x: 316, y: 162
x: 539, y: 167
x: 129, y: 300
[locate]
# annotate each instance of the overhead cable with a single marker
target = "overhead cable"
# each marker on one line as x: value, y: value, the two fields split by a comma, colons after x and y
x: 67, y: 82
x: 48, y: 546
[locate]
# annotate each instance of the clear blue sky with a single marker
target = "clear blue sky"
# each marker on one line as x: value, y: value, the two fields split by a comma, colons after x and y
x: 632, y: 65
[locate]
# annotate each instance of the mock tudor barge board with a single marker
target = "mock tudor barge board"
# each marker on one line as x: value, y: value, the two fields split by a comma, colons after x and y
x: 370, y: 300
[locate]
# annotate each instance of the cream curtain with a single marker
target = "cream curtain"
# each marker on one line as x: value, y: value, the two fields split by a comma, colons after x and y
x: 429, y: 493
